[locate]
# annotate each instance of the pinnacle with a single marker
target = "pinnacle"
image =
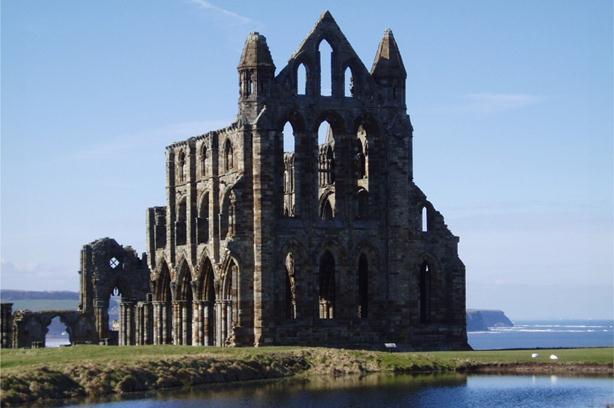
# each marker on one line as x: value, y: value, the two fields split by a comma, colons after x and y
x: 388, y: 61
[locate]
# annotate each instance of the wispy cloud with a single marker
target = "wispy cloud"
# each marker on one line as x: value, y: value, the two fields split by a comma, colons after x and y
x: 34, y: 276
x: 498, y: 102
x: 204, y: 4
x: 153, y: 138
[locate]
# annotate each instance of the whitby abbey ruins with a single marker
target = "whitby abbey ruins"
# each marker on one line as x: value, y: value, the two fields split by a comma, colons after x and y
x: 271, y: 235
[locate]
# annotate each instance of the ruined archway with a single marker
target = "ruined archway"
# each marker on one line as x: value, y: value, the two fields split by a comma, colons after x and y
x: 108, y: 267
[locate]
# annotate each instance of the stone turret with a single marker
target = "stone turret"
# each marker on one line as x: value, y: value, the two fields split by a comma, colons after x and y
x: 256, y: 74
x: 388, y: 70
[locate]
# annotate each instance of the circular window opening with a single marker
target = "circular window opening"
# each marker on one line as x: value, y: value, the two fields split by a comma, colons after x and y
x: 113, y: 262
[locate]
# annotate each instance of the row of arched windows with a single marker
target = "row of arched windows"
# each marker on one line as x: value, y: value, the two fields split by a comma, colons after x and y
x: 228, y: 161
x: 327, y: 295
x: 327, y: 163
x: 195, y: 315
x: 305, y: 77
x: 227, y: 224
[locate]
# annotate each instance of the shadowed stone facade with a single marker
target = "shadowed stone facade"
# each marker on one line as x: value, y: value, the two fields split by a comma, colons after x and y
x: 329, y: 244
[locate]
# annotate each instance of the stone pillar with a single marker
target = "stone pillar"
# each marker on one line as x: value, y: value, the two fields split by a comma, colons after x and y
x: 138, y: 324
x: 185, y: 324
x: 156, y: 323
x: 162, y: 317
x: 197, y: 316
x: 177, y: 323
x: 266, y: 210
x: 102, y: 319
x: 147, y: 323
x: 6, y: 325
x: 219, y: 319
x: 228, y: 320
x: 205, y: 314
x: 127, y: 324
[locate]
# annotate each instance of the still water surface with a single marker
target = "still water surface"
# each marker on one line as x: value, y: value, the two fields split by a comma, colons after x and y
x: 454, y: 390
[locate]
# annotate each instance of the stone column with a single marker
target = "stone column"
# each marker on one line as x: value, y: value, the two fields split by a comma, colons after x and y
x: 197, y: 323
x: 138, y: 314
x: 127, y: 324
x: 185, y: 324
x: 102, y: 319
x: 219, y: 323
x: 228, y: 319
x: 205, y: 323
x: 147, y: 323
x: 177, y: 323
x: 157, y: 322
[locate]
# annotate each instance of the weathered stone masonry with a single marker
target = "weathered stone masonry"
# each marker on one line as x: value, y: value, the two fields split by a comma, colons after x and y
x: 329, y: 244
x: 325, y: 245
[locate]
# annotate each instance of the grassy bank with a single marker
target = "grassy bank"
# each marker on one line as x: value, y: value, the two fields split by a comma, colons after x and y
x: 32, y: 375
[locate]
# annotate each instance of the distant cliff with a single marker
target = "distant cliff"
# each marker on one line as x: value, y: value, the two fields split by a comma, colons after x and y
x: 482, y: 320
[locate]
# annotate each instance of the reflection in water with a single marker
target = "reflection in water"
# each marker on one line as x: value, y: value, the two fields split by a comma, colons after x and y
x: 387, y: 390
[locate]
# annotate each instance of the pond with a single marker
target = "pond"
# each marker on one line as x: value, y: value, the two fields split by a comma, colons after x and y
x: 456, y: 390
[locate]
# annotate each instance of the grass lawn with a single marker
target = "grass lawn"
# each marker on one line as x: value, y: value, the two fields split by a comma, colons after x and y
x: 12, y: 360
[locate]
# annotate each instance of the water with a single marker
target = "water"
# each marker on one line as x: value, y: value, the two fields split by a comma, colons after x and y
x: 390, y: 391
x: 546, y: 334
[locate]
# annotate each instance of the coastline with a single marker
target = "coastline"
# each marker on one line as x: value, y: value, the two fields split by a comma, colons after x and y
x: 30, y: 375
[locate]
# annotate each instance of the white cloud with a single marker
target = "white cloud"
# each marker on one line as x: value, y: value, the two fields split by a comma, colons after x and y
x: 228, y: 13
x: 497, y: 102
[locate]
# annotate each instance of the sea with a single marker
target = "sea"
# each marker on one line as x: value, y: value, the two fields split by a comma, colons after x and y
x: 524, y: 334
x: 545, y: 334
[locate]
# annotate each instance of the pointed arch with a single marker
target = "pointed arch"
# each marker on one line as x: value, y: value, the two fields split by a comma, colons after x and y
x: 288, y: 204
x: 326, y: 285
x: 202, y: 225
x: 181, y: 166
x: 326, y: 51
x: 228, y: 215
x: 203, y: 160
x: 327, y: 207
x: 301, y: 79
x: 180, y: 222
x: 183, y: 307
x: 163, y: 329
x: 229, y: 160
x: 362, y: 204
x: 208, y: 298
x: 348, y: 82
x: 228, y: 307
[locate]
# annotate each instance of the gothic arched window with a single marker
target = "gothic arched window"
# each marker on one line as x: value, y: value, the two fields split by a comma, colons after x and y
x: 228, y: 156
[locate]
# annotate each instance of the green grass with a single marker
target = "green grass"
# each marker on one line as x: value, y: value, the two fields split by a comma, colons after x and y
x: 19, y: 359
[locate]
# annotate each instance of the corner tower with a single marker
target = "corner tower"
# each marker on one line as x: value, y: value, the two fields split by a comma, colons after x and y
x: 256, y: 75
x: 389, y: 72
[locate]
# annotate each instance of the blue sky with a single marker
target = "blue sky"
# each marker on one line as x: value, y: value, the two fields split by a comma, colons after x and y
x: 511, y: 104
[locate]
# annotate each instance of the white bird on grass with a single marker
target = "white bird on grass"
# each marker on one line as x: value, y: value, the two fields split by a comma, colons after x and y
x: 553, y: 357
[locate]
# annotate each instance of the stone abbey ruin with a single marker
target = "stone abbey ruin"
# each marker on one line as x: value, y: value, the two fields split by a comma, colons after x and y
x: 329, y: 243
